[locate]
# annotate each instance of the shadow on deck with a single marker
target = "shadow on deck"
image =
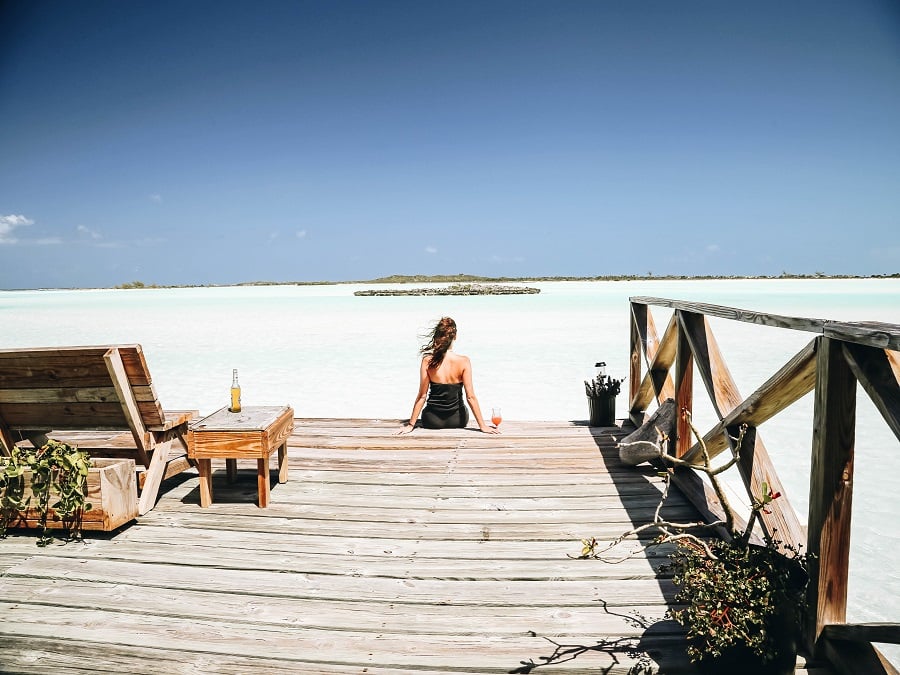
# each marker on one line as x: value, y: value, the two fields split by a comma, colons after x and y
x: 435, y: 552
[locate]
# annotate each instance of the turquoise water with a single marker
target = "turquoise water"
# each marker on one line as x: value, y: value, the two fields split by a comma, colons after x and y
x: 331, y: 354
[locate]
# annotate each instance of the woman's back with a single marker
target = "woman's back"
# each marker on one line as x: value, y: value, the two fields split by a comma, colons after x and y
x: 441, y: 385
x: 451, y: 370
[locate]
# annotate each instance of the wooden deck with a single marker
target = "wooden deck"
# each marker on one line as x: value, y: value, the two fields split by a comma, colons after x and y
x: 435, y: 552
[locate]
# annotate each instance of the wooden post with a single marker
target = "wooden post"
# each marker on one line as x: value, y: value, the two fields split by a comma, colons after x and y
x: 830, y: 489
x: 638, y: 325
x: 684, y: 389
x: 6, y: 438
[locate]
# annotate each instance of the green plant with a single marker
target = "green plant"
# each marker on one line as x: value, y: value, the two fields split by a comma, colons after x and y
x: 746, y: 599
x: 602, y: 385
x: 741, y: 600
x: 56, y: 469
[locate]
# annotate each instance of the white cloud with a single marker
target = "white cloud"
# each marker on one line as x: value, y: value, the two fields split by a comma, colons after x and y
x: 48, y: 241
x: 10, y: 223
x: 273, y: 236
x: 430, y: 249
x: 156, y: 198
x: 85, y: 231
x: 712, y: 248
x: 301, y: 234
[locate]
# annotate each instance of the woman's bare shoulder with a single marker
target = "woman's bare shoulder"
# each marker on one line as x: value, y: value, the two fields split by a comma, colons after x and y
x: 461, y: 361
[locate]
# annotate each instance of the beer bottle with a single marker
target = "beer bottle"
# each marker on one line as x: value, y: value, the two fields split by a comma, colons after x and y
x: 235, y: 394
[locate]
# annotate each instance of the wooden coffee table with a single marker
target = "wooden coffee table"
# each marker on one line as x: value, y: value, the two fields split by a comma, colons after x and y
x: 253, y: 433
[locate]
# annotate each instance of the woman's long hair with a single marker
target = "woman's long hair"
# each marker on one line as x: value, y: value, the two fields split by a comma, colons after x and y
x: 441, y: 339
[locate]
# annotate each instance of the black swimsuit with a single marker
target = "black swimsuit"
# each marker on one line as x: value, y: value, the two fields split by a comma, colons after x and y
x: 445, y: 408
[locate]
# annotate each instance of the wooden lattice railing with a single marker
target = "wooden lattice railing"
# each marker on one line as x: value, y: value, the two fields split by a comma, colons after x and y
x: 839, y: 356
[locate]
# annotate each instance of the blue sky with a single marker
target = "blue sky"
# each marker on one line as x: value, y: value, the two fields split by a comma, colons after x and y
x: 221, y: 142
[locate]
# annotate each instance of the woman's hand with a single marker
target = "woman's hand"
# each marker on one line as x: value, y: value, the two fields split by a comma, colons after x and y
x: 407, y: 429
x: 489, y: 430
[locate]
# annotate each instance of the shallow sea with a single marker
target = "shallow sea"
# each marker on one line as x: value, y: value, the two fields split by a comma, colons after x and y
x: 331, y: 354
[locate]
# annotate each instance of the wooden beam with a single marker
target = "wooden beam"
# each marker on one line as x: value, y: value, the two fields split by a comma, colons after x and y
x: 869, y: 333
x: 888, y: 633
x: 831, y: 489
x: 660, y: 355
x: 792, y: 381
x: 638, y: 331
x: 720, y: 385
x: 6, y: 437
x: 735, y: 314
x: 119, y: 379
x: 756, y: 467
x: 684, y: 389
x: 853, y: 658
x: 871, y: 367
x: 893, y: 358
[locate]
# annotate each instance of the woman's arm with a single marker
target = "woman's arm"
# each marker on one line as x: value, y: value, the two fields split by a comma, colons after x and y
x: 420, y: 397
x: 473, y: 400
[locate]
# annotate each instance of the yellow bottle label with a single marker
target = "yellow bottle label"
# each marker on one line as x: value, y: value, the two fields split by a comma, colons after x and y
x: 235, y: 399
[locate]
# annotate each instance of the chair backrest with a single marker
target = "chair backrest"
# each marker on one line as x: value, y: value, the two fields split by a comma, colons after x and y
x: 75, y: 388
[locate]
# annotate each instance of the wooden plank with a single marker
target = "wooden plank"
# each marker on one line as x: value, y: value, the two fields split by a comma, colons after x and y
x: 872, y: 369
x: 6, y: 437
x: 869, y: 333
x: 174, y: 466
x: 852, y: 658
x: 31, y: 371
x: 378, y: 564
x: 157, y: 535
x: 153, y: 476
x: 130, y: 410
x: 234, y: 502
x: 792, y: 381
x: 893, y: 358
x: 661, y: 362
x: 312, y: 648
x: 660, y: 355
x: 111, y: 492
x: 452, y: 557
x: 361, y: 613
x: 511, y: 502
x: 91, y: 415
x: 684, y: 388
x: 637, y: 340
x: 831, y: 489
x: 720, y: 385
x: 755, y: 466
x: 58, y: 395
x: 412, y: 591
x: 888, y: 633
x: 735, y: 314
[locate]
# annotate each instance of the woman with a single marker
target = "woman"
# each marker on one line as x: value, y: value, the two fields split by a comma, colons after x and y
x: 442, y: 377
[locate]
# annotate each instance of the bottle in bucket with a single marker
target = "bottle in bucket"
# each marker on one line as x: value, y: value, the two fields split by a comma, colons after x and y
x: 235, y: 406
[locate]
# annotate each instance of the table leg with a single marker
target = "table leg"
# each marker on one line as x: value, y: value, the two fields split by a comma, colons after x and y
x: 262, y: 480
x: 205, y: 468
x: 231, y: 469
x: 282, y: 463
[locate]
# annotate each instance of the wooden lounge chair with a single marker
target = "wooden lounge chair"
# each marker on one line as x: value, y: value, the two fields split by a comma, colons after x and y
x: 92, y: 388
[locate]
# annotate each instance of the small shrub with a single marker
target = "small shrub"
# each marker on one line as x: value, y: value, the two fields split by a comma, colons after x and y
x: 57, y: 469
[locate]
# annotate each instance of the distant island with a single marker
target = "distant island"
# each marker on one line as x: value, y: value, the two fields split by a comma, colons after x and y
x: 474, y: 279
x: 453, y: 289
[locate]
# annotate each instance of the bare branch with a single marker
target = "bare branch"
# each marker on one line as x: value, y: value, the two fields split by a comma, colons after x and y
x: 674, y: 532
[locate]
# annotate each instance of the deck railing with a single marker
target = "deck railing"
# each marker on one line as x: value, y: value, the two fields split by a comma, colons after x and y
x: 839, y: 356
